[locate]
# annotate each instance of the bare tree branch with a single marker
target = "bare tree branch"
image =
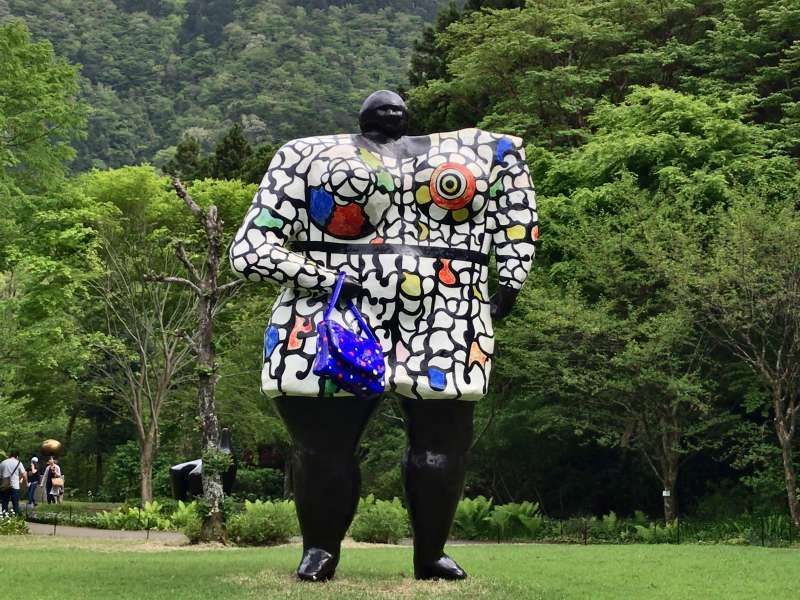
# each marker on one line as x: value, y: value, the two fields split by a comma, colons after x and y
x: 180, y: 252
x: 231, y: 285
x: 188, y: 200
x: 156, y: 278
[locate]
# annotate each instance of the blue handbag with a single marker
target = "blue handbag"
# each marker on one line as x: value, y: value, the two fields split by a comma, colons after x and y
x: 351, y: 362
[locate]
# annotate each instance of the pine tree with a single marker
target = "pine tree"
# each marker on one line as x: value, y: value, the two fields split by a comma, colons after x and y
x: 254, y: 167
x: 230, y: 154
x: 187, y: 164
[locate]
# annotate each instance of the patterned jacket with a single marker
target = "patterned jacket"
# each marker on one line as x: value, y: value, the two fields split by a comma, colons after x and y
x: 414, y: 224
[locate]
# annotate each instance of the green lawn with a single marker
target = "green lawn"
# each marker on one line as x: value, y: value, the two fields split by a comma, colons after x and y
x: 82, y: 569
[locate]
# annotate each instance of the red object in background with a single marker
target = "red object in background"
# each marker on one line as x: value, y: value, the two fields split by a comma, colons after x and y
x: 347, y: 221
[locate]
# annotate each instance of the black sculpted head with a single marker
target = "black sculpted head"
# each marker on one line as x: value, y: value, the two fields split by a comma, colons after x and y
x: 384, y: 112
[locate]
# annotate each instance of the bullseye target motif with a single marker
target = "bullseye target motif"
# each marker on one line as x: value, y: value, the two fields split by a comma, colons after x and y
x: 452, y: 186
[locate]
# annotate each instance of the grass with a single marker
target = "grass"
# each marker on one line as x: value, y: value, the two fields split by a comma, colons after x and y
x: 97, y: 569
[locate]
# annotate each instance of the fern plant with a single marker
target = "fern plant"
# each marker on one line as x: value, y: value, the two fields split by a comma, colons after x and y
x: 473, y: 519
x: 517, y: 520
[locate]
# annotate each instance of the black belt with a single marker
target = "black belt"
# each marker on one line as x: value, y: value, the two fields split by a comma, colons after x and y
x: 404, y: 249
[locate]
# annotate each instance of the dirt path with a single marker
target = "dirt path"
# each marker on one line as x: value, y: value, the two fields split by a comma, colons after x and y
x: 163, y: 537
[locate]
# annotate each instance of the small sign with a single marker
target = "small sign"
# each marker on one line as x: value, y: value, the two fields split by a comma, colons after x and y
x: 666, y: 493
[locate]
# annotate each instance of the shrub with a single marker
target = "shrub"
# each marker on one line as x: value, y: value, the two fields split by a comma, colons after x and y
x: 11, y: 524
x: 380, y: 521
x: 609, y: 528
x: 473, y: 519
x: 655, y: 533
x: 264, y: 523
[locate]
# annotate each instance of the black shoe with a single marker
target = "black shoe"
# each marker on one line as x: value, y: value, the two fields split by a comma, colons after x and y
x: 442, y: 568
x: 317, y: 565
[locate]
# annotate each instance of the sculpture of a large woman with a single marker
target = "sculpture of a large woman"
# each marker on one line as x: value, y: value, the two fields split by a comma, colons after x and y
x: 411, y: 221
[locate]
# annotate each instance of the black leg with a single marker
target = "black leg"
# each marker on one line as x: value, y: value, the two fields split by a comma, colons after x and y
x: 326, y: 476
x: 439, y: 437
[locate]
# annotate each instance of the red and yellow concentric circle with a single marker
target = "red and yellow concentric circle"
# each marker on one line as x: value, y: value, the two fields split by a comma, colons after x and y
x: 452, y: 186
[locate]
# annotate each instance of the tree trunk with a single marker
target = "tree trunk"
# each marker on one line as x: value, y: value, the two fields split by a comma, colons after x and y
x: 146, y: 453
x: 670, y: 468
x: 670, y: 502
x: 98, y: 470
x: 213, y: 524
x: 73, y: 415
x: 789, y: 472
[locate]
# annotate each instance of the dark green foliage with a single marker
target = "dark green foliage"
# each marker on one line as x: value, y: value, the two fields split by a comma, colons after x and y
x: 121, y: 479
x: 230, y: 154
x: 428, y: 60
x: 206, y: 19
x: 254, y: 483
x: 233, y: 158
x: 254, y: 167
x: 187, y: 164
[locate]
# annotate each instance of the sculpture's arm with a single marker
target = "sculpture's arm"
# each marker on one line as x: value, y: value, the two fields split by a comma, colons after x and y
x: 515, y: 224
x: 275, y: 218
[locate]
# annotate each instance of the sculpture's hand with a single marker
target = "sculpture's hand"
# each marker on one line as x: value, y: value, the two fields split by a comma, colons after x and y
x: 502, y: 301
x: 351, y: 289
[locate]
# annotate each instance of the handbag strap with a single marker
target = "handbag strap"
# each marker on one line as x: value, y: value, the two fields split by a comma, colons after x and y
x: 364, y: 327
x: 350, y: 304
x: 335, y: 295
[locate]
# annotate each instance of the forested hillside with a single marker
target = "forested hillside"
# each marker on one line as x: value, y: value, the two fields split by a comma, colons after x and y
x: 152, y: 70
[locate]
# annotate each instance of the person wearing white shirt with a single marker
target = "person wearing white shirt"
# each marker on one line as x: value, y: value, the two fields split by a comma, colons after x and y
x: 11, y: 473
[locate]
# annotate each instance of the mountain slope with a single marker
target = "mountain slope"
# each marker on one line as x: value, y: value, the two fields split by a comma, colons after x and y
x: 153, y: 70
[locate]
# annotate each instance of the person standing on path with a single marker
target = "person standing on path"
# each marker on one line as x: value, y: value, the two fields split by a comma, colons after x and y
x: 11, y: 471
x: 34, y: 477
x: 54, y: 483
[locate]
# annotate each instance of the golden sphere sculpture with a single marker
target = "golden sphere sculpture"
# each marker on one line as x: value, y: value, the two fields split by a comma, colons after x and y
x: 52, y: 448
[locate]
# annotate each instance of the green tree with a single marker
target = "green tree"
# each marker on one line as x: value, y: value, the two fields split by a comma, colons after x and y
x: 47, y: 244
x: 749, y: 288
x: 659, y: 163
x: 539, y: 71
x: 39, y: 115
